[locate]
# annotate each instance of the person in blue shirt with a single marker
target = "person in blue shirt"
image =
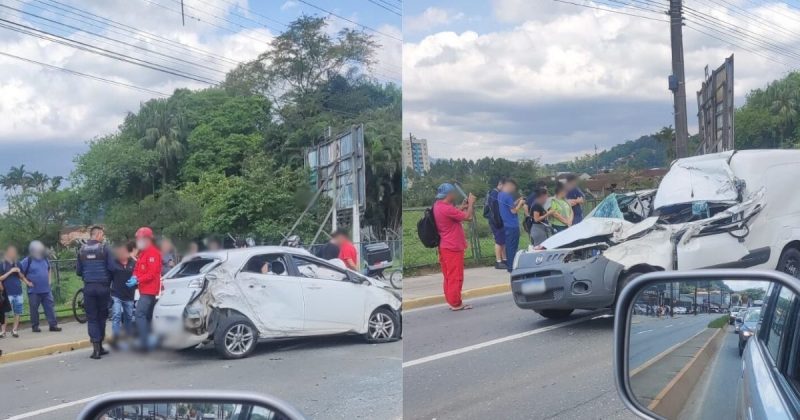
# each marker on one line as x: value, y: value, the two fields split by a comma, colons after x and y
x: 509, y: 207
x: 11, y: 280
x: 36, y: 271
x: 491, y: 211
x: 575, y: 197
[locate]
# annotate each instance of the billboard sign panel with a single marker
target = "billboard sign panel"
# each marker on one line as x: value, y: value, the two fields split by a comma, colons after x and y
x: 337, y: 167
x: 715, y: 110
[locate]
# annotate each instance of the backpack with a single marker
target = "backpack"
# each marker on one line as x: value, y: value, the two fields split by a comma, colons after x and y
x: 527, y: 224
x: 427, y: 231
x: 491, y: 211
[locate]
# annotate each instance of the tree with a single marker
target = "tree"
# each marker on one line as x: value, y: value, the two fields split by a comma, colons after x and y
x: 162, y: 129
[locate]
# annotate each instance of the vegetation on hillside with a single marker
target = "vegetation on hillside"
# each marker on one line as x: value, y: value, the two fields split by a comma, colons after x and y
x: 228, y: 159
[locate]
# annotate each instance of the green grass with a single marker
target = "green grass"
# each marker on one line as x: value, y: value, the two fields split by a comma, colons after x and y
x: 720, y: 322
x: 415, y: 255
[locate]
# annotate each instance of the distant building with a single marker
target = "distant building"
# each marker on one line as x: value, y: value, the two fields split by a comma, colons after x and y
x: 415, y: 154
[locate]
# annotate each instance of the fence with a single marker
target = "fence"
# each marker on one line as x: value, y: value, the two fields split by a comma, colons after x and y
x: 479, y: 238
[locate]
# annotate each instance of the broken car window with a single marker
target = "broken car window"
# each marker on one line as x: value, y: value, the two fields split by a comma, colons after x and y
x: 315, y: 270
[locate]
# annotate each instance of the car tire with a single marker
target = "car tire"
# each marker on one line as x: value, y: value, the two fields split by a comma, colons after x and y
x: 555, y: 313
x: 383, y: 326
x: 235, y: 338
x: 789, y: 262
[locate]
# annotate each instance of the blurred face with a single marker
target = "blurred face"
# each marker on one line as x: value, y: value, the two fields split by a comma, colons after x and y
x: 142, y: 243
x: 122, y: 254
x: 166, y: 245
x: 452, y: 196
x: 11, y: 253
x: 509, y: 187
x: 542, y: 198
x: 193, y: 248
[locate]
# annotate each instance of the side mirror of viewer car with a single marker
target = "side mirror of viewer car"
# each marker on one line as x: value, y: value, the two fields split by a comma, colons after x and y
x: 188, y: 404
x: 684, y: 365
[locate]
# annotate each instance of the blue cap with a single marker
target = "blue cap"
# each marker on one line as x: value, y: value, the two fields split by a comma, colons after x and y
x: 443, y: 190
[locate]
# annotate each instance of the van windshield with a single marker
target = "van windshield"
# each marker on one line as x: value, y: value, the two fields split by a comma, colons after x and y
x: 192, y: 267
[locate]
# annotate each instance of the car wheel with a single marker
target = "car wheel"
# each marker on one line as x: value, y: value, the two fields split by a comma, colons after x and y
x: 555, y: 313
x: 382, y: 326
x: 236, y: 337
x: 789, y: 262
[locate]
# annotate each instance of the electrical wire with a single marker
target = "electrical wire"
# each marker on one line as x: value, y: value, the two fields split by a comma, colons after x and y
x: 371, y: 29
x: 90, y: 76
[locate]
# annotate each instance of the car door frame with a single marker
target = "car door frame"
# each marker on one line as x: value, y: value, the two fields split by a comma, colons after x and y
x: 334, y: 327
x: 778, y: 369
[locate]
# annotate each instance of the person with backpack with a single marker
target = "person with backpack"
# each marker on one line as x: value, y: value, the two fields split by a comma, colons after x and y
x: 539, y: 229
x: 491, y: 211
x: 94, y: 259
x: 452, y: 241
x: 36, y: 271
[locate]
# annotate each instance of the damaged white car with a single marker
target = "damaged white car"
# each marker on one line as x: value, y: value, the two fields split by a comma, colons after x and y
x: 723, y: 210
x: 234, y: 298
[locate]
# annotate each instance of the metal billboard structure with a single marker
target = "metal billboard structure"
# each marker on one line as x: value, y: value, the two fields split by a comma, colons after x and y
x: 338, y: 171
x: 715, y: 110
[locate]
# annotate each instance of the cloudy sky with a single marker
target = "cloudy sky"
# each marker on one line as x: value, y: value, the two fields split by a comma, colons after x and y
x: 47, y: 116
x: 545, y: 79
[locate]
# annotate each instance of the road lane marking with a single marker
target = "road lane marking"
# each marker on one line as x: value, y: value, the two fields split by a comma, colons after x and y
x: 462, y: 350
x: 642, y: 332
x: 51, y: 409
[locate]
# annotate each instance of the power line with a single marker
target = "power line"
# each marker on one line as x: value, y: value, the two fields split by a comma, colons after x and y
x: 307, y: 3
x: 135, y: 31
x: 116, y: 40
x: 90, y: 76
x: 611, y: 10
x: 385, y: 7
x: 28, y: 30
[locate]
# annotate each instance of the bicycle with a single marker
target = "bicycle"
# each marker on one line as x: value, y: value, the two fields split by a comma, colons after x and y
x: 78, y: 309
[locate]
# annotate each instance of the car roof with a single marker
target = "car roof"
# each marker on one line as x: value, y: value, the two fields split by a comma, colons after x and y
x: 244, y: 253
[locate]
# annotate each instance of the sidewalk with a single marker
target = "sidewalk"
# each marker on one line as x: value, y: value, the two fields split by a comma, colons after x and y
x: 30, y: 344
x: 427, y: 290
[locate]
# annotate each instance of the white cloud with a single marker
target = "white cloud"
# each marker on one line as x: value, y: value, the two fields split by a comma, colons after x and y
x: 558, y: 81
x: 431, y: 18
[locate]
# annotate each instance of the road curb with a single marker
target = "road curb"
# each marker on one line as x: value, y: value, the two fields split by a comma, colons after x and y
x: 470, y: 293
x: 672, y: 399
x: 21, y: 355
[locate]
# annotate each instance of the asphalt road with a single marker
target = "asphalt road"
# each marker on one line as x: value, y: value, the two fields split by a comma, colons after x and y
x: 325, y: 378
x: 714, y: 396
x: 499, y: 361
x: 651, y: 336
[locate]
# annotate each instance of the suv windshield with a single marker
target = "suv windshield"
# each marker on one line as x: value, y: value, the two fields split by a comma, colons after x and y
x: 192, y: 267
x: 753, y: 316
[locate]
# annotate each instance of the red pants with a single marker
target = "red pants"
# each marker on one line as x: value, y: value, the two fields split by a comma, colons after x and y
x: 452, y: 263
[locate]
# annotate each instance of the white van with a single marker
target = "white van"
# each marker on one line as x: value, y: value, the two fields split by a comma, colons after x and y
x: 736, y: 209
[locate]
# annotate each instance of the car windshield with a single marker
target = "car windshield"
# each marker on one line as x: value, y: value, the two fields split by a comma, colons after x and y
x: 192, y: 267
x: 752, y: 316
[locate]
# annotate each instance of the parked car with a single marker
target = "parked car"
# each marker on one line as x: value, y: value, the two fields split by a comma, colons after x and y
x: 710, y: 211
x: 679, y: 310
x: 748, y: 327
x: 234, y: 298
x: 737, y: 324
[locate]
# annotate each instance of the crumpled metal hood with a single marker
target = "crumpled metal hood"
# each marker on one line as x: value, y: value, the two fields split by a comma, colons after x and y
x: 699, y: 178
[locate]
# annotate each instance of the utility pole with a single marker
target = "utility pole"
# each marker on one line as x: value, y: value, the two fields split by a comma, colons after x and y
x: 677, y: 81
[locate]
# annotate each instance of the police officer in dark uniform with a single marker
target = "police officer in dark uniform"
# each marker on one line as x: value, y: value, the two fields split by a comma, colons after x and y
x: 94, y: 258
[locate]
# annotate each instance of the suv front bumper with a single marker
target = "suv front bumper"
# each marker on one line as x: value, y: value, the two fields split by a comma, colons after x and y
x: 541, y: 281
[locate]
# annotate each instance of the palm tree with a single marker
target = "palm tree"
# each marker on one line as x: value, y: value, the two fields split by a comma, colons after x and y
x: 38, y: 180
x: 163, y: 130
x: 784, y: 105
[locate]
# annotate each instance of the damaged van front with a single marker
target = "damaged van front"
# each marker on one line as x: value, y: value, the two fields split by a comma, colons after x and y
x: 709, y: 211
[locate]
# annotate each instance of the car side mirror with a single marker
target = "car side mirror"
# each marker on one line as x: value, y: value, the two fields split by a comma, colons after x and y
x: 665, y: 368
x: 178, y: 404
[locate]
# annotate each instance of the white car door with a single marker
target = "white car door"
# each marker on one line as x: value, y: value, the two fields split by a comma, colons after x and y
x: 333, y: 303
x: 274, y: 296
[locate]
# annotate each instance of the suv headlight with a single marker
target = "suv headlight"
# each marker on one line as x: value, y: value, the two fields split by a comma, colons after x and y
x: 747, y: 333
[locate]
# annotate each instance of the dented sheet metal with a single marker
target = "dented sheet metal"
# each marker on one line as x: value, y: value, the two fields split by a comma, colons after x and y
x: 701, y: 178
x: 589, y: 228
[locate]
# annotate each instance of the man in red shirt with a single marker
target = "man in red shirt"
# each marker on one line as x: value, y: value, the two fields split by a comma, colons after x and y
x: 452, y: 241
x: 147, y: 275
x: 347, y: 251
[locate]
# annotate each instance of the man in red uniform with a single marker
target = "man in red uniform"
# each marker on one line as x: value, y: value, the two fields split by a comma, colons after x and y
x: 147, y: 275
x: 347, y: 251
x: 452, y: 241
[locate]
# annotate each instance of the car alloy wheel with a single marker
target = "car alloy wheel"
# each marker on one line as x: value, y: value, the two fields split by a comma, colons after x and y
x: 239, y: 339
x: 381, y: 326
